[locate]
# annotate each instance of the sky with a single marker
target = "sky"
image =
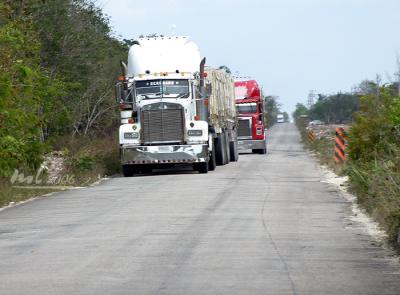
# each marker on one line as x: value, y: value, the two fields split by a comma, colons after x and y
x: 289, y: 46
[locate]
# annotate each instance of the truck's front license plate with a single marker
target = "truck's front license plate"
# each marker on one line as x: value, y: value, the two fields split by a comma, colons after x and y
x: 163, y: 148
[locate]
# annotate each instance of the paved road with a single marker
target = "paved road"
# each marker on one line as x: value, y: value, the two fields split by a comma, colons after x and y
x: 264, y: 225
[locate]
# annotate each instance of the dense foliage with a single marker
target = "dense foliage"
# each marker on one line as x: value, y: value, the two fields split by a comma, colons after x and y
x: 301, y: 110
x: 271, y: 110
x: 374, y: 155
x: 338, y: 108
x: 58, y: 61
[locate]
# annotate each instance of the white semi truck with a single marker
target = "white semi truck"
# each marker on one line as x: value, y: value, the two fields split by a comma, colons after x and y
x: 174, y: 110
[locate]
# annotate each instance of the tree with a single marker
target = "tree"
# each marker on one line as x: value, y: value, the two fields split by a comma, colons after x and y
x: 58, y: 61
x: 271, y: 109
x: 301, y: 110
x: 338, y: 108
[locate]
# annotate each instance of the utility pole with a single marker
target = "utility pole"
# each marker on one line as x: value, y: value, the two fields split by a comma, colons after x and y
x: 311, y: 99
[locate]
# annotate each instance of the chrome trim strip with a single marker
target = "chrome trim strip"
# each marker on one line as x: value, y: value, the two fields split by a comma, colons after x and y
x: 164, y: 154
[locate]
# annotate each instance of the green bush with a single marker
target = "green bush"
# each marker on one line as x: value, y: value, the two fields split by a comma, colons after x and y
x: 47, y: 86
x: 374, y: 157
x: 84, y: 163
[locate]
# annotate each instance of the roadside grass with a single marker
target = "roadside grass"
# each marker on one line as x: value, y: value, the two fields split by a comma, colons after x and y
x: 90, y: 159
x: 86, y: 161
x: 9, y: 194
x: 323, y: 149
x: 377, y: 186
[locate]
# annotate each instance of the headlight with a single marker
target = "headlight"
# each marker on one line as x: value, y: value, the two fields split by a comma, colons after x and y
x: 131, y: 135
x: 194, y: 132
x: 259, y: 131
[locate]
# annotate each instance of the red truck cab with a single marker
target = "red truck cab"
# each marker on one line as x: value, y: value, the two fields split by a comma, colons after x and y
x: 251, y: 127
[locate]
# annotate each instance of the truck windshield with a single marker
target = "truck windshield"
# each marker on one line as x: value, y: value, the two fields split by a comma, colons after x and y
x: 246, y: 108
x: 173, y: 88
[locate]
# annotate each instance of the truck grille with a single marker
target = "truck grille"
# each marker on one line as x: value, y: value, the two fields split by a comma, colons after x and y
x: 244, y: 128
x: 162, y: 123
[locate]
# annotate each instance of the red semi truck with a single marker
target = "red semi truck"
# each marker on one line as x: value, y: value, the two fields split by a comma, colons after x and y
x: 250, y: 110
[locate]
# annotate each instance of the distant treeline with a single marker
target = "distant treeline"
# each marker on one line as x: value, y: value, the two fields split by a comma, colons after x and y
x: 330, y: 109
x: 58, y: 61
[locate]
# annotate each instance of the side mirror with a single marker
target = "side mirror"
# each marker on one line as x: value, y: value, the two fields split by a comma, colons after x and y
x: 121, y: 94
x: 118, y: 92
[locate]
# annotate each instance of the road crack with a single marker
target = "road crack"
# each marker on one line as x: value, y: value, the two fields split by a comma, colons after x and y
x: 275, y: 246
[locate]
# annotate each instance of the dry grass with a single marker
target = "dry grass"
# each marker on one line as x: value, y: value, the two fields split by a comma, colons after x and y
x: 87, y: 160
x: 9, y: 194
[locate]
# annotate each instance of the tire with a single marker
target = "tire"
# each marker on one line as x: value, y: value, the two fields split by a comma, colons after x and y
x: 220, y: 153
x: 227, y: 148
x: 146, y: 169
x: 128, y: 170
x: 212, y: 164
x: 234, y: 151
x: 202, y: 167
x: 260, y: 151
x: 264, y: 150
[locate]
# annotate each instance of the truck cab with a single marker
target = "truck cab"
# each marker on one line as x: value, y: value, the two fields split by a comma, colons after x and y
x: 168, y: 115
x: 251, y: 127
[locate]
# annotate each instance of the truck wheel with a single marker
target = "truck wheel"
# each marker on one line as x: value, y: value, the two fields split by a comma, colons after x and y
x: 128, y: 170
x: 264, y: 150
x: 146, y: 169
x: 212, y: 162
x: 259, y: 151
x: 234, y: 151
x: 201, y: 167
x: 220, y: 153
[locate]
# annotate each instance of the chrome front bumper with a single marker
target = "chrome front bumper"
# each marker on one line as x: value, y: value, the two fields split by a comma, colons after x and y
x: 164, y: 154
x: 250, y: 144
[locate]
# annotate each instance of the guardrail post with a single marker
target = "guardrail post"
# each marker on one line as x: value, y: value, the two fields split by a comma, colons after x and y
x: 310, y: 136
x: 340, y: 142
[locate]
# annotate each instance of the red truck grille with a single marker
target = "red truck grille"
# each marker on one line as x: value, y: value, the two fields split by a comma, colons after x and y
x: 244, y: 128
